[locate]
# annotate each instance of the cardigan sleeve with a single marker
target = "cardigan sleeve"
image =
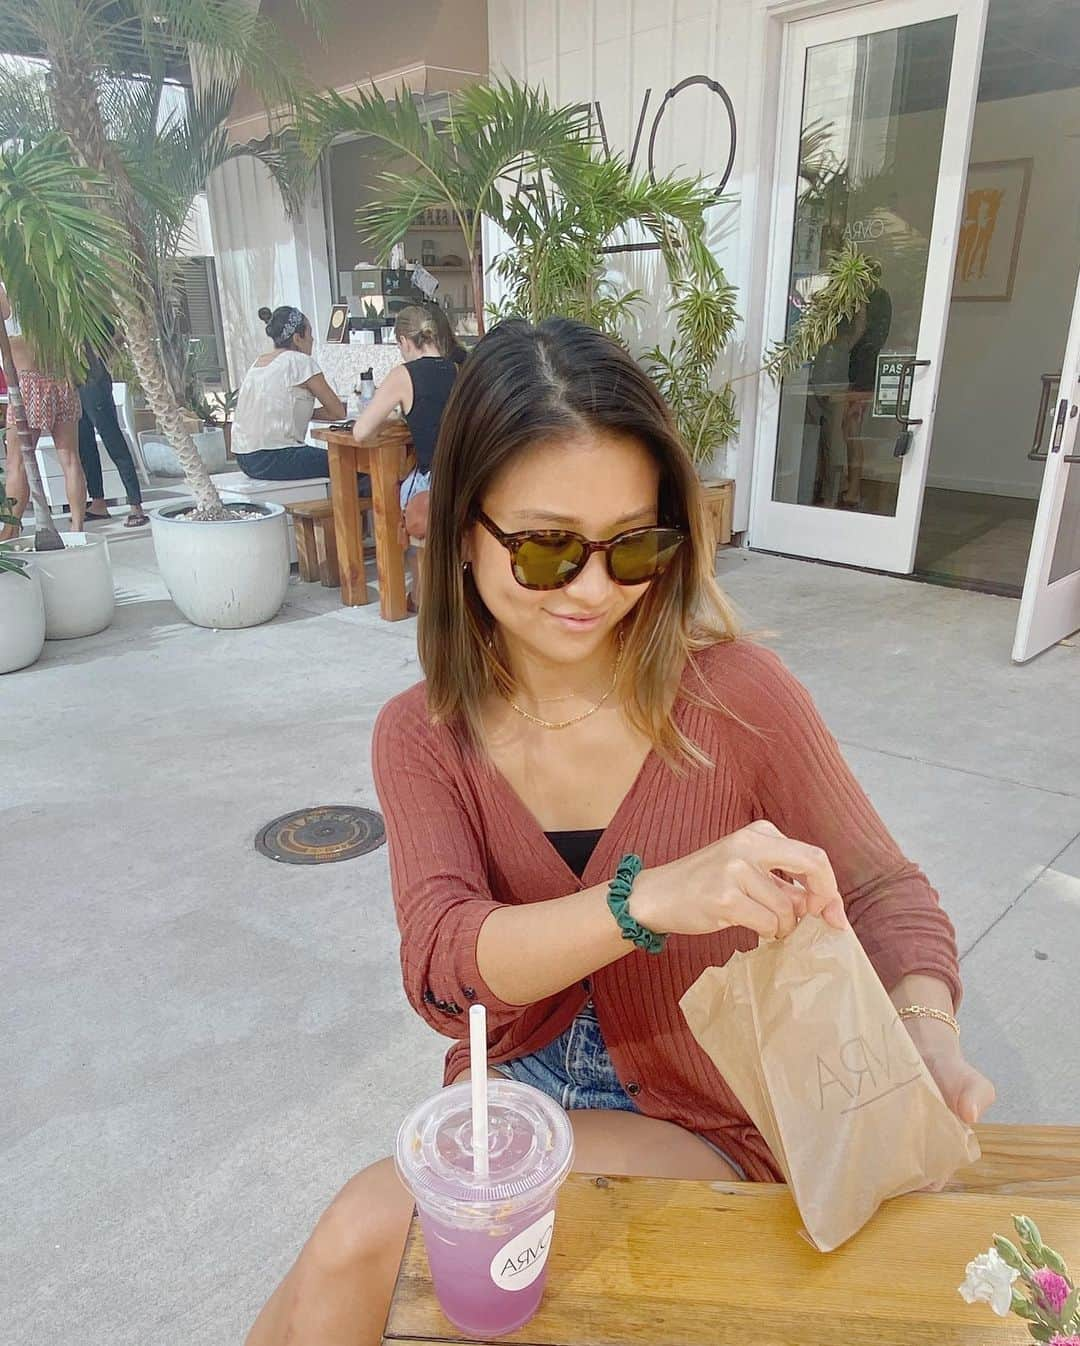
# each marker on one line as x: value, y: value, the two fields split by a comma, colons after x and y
x: 437, y: 872
x: 807, y: 790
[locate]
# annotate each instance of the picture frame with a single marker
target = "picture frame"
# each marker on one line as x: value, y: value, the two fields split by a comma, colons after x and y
x: 991, y: 229
x: 337, y: 329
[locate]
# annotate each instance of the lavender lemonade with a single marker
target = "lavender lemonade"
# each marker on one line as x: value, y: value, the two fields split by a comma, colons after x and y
x: 487, y: 1239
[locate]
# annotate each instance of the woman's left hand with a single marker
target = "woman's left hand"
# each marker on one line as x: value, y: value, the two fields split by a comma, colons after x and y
x: 967, y: 1092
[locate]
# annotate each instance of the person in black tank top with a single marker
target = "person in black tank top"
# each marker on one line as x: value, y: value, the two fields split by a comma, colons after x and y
x: 418, y: 388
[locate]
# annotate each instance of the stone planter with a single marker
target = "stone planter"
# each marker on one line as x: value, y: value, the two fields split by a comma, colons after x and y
x: 22, y: 619
x: 161, y: 460
x: 76, y: 583
x: 228, y: 574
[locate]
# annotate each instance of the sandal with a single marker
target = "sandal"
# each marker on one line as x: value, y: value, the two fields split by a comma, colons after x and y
x: 91, y: 517
x: 136, y: 519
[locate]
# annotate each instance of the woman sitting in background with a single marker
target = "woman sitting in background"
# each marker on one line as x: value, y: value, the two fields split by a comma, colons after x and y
x: 418, y: 388
x: 277, y: 400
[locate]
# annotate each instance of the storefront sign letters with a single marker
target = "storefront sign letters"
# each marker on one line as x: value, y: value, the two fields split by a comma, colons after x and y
x: 691, y: 81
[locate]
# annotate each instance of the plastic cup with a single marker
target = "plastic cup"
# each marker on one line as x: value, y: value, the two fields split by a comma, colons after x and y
x: 487, y: 1239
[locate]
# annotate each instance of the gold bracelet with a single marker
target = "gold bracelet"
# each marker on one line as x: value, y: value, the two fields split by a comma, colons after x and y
x: 924, y: 1012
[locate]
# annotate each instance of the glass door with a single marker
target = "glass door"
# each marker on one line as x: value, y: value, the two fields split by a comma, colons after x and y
x: 872, y: 155
x: 1050, y: 606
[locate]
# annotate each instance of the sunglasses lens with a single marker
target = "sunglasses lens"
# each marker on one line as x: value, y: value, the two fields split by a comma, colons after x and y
x: 548, y: 562
x: 645, y: 555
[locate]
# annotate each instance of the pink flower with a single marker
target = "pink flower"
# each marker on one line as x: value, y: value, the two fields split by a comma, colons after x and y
x: 1051, y: 1293
x: 1065, y: 1341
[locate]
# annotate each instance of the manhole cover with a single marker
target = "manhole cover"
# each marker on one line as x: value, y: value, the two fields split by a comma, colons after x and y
x: 321, y: 835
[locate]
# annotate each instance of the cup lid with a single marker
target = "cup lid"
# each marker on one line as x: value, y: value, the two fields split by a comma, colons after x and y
x: 530, y: 1145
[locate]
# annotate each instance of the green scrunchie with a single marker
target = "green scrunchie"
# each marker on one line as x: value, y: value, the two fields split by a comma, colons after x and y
x: 618, y: 900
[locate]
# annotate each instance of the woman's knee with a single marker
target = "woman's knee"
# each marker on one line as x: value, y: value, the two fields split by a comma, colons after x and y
x: 365, y: 1223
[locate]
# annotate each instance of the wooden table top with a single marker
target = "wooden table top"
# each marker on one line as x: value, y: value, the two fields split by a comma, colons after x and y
x: 391, y: 431
x: 639, y: 1260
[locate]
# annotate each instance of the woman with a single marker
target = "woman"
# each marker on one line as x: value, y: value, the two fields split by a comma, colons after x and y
x: 277, y: 401
x: 52, y: 407
x: 588, y: 697
x: 419, y: 388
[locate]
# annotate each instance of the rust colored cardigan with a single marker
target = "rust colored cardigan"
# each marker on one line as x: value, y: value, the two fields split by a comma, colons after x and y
x: 461, y: 842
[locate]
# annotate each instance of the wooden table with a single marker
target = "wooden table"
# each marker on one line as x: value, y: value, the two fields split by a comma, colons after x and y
x: 385, y: 457
x: 639, y: 1260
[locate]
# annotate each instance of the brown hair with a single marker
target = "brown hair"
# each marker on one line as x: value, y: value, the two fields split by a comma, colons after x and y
x: 523, y: 384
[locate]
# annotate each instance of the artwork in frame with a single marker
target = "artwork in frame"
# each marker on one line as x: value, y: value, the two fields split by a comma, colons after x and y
x: 338, y: 327
x: 991, y: 227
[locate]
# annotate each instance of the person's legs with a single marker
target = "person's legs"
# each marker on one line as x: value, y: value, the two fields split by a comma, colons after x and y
x: 98, y: 405
x: 338, y: 1290
x: 288, y: 464
x: 292, y: 464
x: 91, y: 463
x: 16, y: 485
x: 66, y: 438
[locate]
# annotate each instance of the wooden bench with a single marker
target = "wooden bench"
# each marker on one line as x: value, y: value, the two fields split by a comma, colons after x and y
x: 316, y: 543
x: 648, y: 1262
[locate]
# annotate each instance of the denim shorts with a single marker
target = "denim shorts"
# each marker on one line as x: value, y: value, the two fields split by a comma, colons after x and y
x: 413, y: 484
x: 576, y: 1071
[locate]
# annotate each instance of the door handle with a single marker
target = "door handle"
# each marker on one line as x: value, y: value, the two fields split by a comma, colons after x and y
x: 907, y: 423
x: 1034, y: 453
x: 1064, y: 411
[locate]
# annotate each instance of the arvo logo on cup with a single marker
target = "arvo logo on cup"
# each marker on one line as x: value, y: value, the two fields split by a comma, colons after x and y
x: 518, y: 1263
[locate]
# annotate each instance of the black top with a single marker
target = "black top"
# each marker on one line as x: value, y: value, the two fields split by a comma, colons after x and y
x: 576, y: 848
x: 432, y: 378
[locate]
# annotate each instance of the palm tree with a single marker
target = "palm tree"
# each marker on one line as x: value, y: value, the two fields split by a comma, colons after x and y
x: 560, y: 230
x: 170, y: 154
x: 86, y: 42
x: 62, y: 257
x: 493, y: 139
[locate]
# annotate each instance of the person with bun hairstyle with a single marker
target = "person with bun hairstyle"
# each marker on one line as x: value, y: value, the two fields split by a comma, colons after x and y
x: 277, y: 400
x: 418, y: 388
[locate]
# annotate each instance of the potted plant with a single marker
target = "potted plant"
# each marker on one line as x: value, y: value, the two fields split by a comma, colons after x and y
x: 57, y: 257
x: 212, y: 579
x: 496, y: 137
x: 705, y: 318
x: 22, y: 608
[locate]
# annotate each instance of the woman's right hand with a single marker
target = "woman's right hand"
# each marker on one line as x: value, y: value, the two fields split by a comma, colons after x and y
x: 739, y: 882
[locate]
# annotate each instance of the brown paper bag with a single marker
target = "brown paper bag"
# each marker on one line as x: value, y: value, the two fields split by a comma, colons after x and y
x: 805, y: 1034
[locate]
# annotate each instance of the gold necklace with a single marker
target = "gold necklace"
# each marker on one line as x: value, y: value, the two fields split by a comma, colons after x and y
x: 577, y: 719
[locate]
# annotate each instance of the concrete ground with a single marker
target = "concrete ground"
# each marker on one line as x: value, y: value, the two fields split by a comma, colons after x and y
x: 200, y: 1045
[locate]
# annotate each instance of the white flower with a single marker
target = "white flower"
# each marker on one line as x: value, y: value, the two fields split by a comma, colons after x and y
x: 989, y: 1280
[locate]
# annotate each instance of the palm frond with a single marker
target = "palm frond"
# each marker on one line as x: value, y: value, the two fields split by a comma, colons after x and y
x: 25, y: 114
x: 61, y: 258
x: 852, y: 279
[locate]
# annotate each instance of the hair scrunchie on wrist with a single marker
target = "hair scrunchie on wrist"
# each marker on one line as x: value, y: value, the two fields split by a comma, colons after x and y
x: 618, y: 900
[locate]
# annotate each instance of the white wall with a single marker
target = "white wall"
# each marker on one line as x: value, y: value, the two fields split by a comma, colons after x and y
x: 263, y: 257
x: 615, y: 50
x: 995, y: 352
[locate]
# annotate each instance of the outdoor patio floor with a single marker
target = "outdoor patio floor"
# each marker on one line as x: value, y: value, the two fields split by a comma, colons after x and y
x: 201, y: 1045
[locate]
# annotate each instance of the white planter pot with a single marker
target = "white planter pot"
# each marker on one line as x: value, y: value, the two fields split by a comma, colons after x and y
x: 77, y: 584
x: 22, y: 619
x: 227, y: 574
x: 162, y: 461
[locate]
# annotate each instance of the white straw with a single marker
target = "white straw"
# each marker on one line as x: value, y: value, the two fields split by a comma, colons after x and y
x: 478, y: 1065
